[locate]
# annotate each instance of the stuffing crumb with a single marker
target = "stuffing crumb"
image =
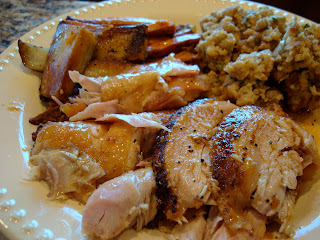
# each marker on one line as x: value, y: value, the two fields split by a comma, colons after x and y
x: 253, y: 66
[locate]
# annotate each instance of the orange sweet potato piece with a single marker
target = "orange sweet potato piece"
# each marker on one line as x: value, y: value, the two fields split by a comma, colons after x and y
x: 160, y: 47
x: 155, y: 28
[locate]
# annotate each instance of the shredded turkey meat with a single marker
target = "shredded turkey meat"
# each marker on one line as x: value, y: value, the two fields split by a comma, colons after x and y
x: 68, y: 172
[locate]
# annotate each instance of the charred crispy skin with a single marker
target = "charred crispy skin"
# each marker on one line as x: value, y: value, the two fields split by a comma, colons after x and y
x: 122, y: 43
x: 51, y: 114
x: 155, y: 28
x: 71, y: 49
x: 160, y: 47
x: 182, y: 162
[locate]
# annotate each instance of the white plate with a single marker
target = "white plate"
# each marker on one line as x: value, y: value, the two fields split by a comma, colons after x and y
x: 25, y: 213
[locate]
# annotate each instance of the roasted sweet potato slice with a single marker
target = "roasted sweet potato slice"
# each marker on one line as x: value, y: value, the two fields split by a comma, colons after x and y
x: 122, y: 43
x: 33, y: 57
x: 160, y: 47
x: 155, y: 28
x: 93, y: 27
x: 98, y: 68
x: 71, y: 49
x: 188, y: 57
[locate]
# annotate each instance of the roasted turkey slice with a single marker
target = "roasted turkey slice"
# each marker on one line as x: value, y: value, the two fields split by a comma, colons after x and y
x: 257, y: 156
x: 182, y: 157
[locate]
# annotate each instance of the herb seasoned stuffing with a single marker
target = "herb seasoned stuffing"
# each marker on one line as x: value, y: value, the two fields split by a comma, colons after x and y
x: 232, y: 31
x: 257, y: 57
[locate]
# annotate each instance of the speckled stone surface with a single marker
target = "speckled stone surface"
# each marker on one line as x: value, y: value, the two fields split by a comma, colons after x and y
x: 18, y: 17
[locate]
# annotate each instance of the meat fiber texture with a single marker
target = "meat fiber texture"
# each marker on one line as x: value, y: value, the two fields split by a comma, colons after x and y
x: 123, y: 202
x: 182, y: 159
x: 257, y: 156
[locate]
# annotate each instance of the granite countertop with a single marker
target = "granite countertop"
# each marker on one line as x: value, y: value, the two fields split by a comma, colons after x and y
x: 17, y: 17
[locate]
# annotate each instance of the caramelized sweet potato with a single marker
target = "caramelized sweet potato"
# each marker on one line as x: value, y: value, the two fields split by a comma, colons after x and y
x: 33, y: 57
x: 93, y: 27
x: 122, y: 43
x: 160, y: 47
x: 155, y: 28
x: 188, y: 57
x: 71, y: 49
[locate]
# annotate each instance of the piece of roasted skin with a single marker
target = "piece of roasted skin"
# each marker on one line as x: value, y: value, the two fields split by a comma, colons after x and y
x: 182, y: 157
x: 167, y: 84
x: 112, y: 148
x: 257, y: 157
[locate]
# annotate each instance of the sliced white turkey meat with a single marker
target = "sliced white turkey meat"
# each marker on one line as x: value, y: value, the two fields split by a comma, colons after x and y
x: 258, y: 156
x: 182, y: 158
x: 118, y: 204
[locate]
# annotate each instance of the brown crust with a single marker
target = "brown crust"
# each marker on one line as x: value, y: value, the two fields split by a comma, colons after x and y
x: 226, y: 170
x: 165, y: 196
x: 35, y: 134
x: 71, y: 49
